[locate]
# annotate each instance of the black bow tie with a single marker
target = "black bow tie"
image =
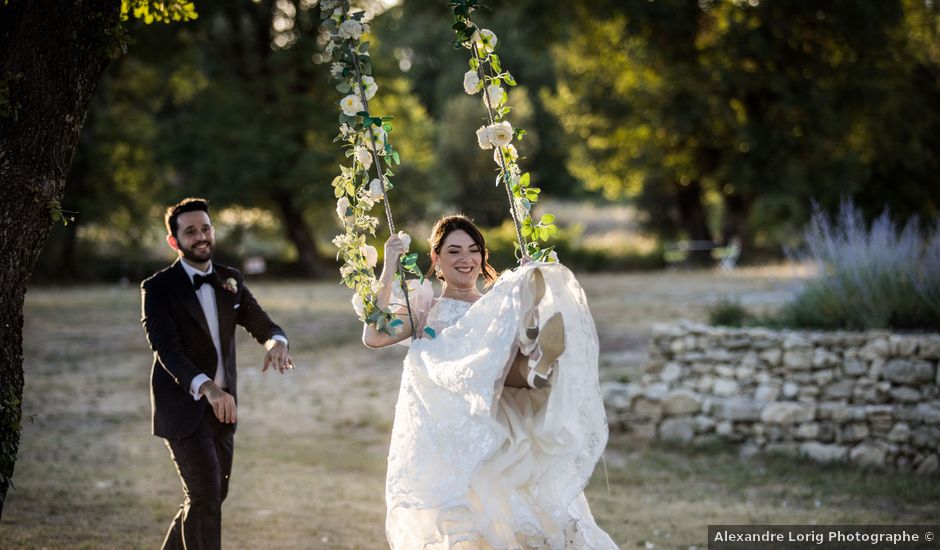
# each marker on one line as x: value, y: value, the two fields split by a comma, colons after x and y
x: 211, y: 279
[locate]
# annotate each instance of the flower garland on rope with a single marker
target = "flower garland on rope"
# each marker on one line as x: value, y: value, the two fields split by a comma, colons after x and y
x: 357, y: 189
x: 487, y: 73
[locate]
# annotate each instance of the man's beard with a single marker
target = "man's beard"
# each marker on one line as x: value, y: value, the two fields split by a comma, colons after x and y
x: 198, y: 257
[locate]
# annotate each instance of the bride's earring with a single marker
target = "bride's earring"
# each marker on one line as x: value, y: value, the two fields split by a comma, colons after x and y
x: 437, y: 271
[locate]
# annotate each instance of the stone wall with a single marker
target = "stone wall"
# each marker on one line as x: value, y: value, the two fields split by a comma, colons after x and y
x: 870, y: 398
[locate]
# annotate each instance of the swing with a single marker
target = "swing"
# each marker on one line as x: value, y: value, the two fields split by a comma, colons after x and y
x: 365, y: 137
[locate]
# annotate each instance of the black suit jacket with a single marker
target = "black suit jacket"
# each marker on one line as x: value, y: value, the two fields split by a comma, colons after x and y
x: 182, y: 345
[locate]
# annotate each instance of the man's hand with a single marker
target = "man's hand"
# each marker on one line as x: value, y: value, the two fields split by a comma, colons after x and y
x: 223, y: 404
x: 278, y: 357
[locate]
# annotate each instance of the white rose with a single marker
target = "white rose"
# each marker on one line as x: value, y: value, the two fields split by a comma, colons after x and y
x: 485, y: 40
x: 509, y: 151
x: 336, y: 69
x: 471, y: 82
x: 500, y: 134
x: 495, y: 93
x: 351, y: 105
x: 483, y: 138
x: 364, y: 157
x: 359, y: 305
x: 342, y: 206
x: 370, y: 86
x: 553, y: 256
x: 350, y: 28
x: 405, y: 239
x: 370, y: 254
x: 376, y: 187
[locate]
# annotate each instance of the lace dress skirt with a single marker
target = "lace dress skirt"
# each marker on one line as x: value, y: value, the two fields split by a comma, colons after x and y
x: 474, y: 464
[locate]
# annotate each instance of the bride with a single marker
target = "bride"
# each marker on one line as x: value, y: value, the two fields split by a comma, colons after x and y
x: 499, y: 421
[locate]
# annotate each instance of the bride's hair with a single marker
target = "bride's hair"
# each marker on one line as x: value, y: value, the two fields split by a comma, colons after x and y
x: 447, y: 225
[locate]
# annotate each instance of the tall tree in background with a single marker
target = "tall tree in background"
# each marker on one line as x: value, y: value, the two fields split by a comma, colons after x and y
x: 115, y: 183
x: 249, y: 134
x: 752, y: 109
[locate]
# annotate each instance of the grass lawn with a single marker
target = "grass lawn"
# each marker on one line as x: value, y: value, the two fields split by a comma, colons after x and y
x: 310, y: 450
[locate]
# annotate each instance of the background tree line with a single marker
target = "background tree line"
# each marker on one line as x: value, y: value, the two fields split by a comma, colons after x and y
x: 718, y: 120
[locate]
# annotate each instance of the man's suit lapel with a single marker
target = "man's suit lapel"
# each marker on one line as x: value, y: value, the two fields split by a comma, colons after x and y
x: 186, y: 293
x: 225, y: 304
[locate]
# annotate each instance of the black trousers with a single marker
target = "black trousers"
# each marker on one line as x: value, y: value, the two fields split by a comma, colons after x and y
x: 204, y: 463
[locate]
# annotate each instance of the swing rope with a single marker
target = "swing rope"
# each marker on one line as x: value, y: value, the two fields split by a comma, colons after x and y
x: 377, y: 162
x: 504, y: 171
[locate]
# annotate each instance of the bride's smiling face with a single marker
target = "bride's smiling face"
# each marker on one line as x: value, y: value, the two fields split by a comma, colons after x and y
x: 460, y: 259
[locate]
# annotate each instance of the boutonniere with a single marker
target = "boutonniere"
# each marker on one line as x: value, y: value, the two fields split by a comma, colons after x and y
x: 230, y: 285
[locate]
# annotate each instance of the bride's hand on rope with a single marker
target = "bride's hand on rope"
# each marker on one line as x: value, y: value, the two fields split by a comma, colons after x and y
x: 395, y: 246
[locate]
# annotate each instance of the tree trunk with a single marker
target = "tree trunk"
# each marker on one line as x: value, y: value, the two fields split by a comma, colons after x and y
x: 692, y: 219
x: 52, y: 54
x: 298, y: 230
x: 737, y: 213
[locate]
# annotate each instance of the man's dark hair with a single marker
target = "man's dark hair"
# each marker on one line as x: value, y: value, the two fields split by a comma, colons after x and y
x: 191, y: 204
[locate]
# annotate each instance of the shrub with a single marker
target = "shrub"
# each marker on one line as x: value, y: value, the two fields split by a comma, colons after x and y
x: 881, y: 276
x: 927, y: 279
x: 729, y: 313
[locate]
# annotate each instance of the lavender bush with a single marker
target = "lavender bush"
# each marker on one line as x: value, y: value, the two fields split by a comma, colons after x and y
x: 927, y: 278
x: 881, y: 276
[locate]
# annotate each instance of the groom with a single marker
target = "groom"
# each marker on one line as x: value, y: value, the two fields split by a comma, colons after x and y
x: 190, y: 310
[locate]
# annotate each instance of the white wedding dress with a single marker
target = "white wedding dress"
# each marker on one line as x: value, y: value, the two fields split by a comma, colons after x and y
x: 477, y: 465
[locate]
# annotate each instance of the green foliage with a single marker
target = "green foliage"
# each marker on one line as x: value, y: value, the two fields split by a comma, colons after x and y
x: 816, y: 307
x: 161, y: 11
x: 59, y: 215
x: 754, y: 108
x: 729, y: 313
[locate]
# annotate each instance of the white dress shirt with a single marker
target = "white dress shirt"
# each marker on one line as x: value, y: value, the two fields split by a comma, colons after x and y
x: 206, y: 296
